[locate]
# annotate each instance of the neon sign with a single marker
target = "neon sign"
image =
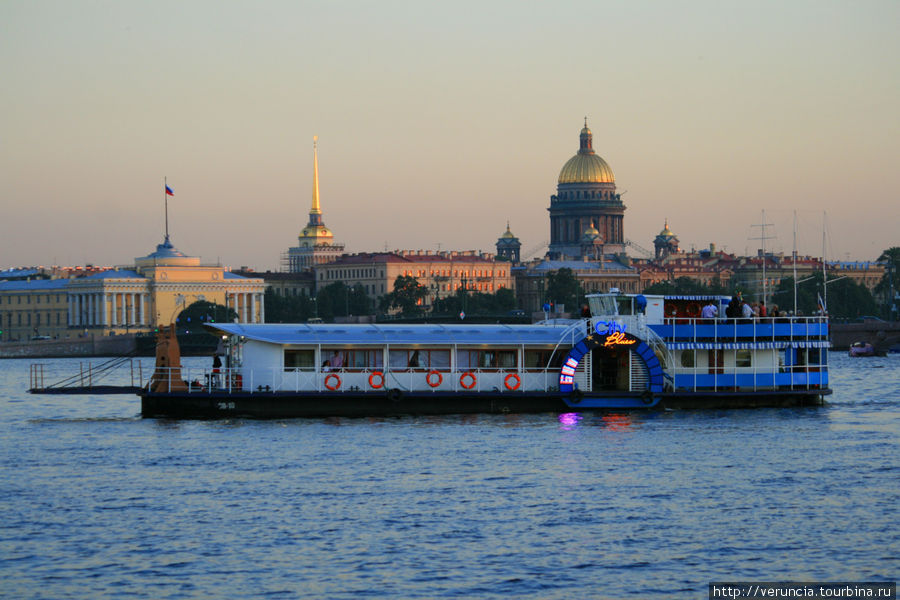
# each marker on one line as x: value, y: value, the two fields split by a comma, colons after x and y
x: 614, y: 332
x: 617, y: 339
x: 567, y: 373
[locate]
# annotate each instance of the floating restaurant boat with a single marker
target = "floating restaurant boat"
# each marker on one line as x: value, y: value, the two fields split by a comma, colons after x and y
x: 633, y: 352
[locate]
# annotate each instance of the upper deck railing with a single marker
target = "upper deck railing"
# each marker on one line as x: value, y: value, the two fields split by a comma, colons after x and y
x: 763, y: 329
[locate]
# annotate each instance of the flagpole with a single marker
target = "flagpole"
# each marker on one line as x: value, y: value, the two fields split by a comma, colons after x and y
x: 166, y: 194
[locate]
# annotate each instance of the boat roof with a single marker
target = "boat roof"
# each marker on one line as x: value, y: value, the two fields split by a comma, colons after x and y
x: 419, y: 334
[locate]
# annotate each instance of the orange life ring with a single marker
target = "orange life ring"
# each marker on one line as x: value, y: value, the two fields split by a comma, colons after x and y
x: 468, y: 374
x: 515, y: 377
x: 336, y: 385
x: 380, y: 383
x: 434, y: 384
x: 692, y: 310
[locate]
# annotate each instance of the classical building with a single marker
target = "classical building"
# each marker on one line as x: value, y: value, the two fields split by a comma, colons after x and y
x: 585, y: 198
x: 707, y: 266
x: 509, y: 247
x: 592, y: 275
x: 315, y: 244
x: 136, y: 298
x: 665, y: 243
x: 586, y: 232
x: 443, y: 273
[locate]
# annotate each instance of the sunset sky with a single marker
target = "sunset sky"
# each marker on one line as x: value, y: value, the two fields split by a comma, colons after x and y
x: 440, y: 122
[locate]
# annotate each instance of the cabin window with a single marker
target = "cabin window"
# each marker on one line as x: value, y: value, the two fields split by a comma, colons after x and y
x: 688, y: 359
x: 543, y: 359
x: 419, y: 358
x: 486, y: 359
x: 624, y: 303
x: 742, y: 358
x: 363, y: 359
x: 602, y: 305
x: 299, y: 359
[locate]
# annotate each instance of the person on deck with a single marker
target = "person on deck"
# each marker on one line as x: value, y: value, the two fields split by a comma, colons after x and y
x: 710, y: 311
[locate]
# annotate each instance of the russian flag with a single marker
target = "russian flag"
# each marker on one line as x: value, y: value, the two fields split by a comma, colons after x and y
x: 169, y: 191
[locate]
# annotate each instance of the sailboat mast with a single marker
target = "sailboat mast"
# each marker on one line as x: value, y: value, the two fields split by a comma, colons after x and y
x: 794, y: 261
x: 824, y: 270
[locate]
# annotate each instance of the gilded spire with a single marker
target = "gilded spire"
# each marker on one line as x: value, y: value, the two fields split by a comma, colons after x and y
x: 316, y: 209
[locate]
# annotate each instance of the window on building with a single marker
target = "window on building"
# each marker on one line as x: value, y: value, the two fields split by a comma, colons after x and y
x: 688, y: 359
x: 742, y: 358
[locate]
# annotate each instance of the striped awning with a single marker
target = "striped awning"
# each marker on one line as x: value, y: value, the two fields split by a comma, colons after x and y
x: 706, y: 297
x: 746, y: 345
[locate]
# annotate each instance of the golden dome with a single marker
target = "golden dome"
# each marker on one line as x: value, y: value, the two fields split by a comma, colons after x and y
x: 586, y: 166
x: 507, y: 234
x: 591, y: 233
x: 666, y: 232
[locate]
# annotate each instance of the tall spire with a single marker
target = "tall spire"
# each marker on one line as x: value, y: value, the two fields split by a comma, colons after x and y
x: 316, y: 209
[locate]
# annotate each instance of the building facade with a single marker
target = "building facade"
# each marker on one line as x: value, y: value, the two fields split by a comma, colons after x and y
x: 132, y: 299
x: 442, y: 273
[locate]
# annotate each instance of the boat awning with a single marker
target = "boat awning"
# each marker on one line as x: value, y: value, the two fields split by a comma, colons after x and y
x: 408, y: 335
x: 747, y: 345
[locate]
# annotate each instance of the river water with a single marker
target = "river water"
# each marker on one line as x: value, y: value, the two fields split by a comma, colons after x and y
x: 99, y: 503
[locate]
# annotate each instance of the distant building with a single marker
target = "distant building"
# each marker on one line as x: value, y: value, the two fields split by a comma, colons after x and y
x: 666, y: 243
x: 442, y: 273
x: 316, y: 244
x: 613, y: 272
x: 129, y: 299
x: 509, y: 247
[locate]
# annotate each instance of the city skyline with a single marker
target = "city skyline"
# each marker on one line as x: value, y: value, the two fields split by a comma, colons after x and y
x: 439, y: 124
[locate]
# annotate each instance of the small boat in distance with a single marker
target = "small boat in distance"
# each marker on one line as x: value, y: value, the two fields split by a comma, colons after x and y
x: 861, y: 349
x: 633, y: 352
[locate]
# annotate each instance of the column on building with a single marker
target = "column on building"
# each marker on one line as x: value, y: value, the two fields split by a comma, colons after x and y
x: 252, y: 307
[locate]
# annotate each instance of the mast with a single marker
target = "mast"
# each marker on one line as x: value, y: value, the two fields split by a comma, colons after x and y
x: 763, y: 237
x: 794, y: 261
x: 824, y: 270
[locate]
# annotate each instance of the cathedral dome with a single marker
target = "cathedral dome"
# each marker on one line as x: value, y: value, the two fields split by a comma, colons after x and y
x: 586, y: 166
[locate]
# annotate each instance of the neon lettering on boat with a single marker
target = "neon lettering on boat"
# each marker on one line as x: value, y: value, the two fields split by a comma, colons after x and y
x: 608, y: 327
x: 569, y: 367
x: 617, y: 339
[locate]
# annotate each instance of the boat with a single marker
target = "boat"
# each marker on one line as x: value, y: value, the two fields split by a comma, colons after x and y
x: 634, y: 352
x: 861, y: 349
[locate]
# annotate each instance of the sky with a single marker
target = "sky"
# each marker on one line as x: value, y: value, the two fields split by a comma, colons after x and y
x: 439, y: 122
